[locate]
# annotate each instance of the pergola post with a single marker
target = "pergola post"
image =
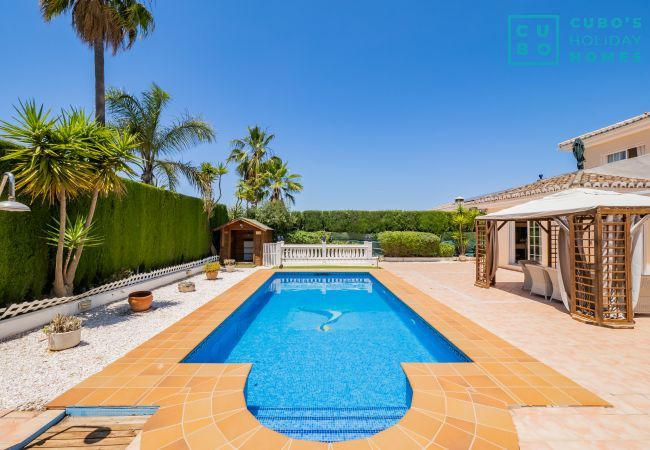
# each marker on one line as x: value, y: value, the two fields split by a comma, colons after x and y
x: 482, y: 255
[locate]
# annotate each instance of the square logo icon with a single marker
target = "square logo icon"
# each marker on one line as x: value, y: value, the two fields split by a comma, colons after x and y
x: 533, y: 40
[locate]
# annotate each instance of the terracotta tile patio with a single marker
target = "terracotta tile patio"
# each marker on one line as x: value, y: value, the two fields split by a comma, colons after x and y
x: 614, y: 364
x: 462, y: 405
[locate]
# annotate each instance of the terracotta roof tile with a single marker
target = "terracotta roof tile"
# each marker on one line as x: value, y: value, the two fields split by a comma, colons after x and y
x: 557, y: 183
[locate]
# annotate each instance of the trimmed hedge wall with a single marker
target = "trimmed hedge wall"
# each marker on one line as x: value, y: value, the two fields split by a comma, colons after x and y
x: 146, y: 229
x: 307, y: 237
x: 409, y: 243
x: 367, y: 222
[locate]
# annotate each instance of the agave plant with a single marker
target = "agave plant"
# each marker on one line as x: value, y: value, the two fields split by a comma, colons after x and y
x: 63, y: 324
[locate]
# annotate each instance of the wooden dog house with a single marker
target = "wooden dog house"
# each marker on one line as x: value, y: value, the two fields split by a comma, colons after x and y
x: 243, y: 240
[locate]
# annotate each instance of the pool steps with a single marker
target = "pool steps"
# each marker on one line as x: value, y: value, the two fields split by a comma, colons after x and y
x: 328, y: 424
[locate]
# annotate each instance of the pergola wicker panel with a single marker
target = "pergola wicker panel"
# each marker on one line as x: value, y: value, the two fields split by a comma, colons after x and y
x: 600, y: 260
x: 482, y: 275
x: 584, y: 262
x: 552, y: 243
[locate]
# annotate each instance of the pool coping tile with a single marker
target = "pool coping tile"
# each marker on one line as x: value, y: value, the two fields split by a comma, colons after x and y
x: 465, y: 402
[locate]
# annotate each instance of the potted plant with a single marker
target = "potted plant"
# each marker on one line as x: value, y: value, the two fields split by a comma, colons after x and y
x: 212, y: 270
x: 230, y: 264
x: 140, y: 300
x: 186, y: 286
x: 63, y: 332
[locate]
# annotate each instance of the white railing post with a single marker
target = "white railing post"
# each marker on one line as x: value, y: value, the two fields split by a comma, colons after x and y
x: 323, y: 252
x: 279, y: 253
x: 368, y: 246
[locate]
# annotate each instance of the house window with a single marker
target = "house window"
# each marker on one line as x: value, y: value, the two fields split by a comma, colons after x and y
x: 623, y: 154
x: 534, y: 241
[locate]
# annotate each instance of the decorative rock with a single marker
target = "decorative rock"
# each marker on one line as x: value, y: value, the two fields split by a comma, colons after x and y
x: 186, y: 286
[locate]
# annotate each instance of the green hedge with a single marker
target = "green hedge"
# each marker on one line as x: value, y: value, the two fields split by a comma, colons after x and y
x: 146, y: 229
x: 409, y: 243
x: 368, y: 222
x: 219, y: 216
x: 307, y: 237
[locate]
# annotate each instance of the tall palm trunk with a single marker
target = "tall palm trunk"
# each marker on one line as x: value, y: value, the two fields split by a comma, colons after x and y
x: 71, y: 266
x: 100, y: 101
x: 147, y: 171
x: 59, y: 287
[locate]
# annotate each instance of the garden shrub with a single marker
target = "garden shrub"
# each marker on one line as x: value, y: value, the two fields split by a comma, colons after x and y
x: 409, y: 243
x: 447, y: 249
x: 307, y: 237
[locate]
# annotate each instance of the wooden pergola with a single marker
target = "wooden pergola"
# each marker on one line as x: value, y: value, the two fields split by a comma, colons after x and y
x: 595, y: 245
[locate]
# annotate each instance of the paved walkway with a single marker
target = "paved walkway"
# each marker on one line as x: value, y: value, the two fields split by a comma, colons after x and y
x: 614, y: 364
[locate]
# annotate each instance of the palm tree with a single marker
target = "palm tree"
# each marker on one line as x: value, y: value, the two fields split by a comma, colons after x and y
x: 221, y: 170
x: 103, y: 24
x: 281, y: 184
x: 250, y: 153
x: 111, y: 157
x: 206, y: 176
x: 142, y: 117
x: 56, y: 159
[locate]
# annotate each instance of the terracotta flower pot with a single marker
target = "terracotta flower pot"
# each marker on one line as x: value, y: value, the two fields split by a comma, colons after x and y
x: 62, y: 341
x: 140, y: 300
x: 212, y: 275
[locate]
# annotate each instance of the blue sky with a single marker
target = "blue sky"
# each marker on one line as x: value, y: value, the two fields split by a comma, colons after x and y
x: 378, y: 104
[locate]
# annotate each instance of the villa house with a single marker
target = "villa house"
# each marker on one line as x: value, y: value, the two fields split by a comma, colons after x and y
x: 615, y: 160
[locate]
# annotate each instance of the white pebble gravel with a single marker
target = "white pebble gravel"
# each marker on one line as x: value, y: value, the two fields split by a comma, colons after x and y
x: 31, y: 375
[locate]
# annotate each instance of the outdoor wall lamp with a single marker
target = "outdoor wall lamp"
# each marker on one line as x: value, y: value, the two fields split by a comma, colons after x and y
x: 11, y: 204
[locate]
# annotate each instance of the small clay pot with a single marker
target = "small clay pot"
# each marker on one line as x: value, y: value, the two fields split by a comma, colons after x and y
x: 212, y: 275
x: 230, y: 268
x: 140, y: 300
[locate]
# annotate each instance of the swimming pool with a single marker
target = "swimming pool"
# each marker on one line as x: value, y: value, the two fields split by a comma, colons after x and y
x: 326, y: 350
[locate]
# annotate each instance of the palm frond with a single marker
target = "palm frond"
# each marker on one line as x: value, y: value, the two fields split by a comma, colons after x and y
x: 183, y: 134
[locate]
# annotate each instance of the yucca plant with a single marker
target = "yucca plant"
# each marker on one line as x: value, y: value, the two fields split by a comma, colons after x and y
x: 77, y: 234
x: 57, y: 159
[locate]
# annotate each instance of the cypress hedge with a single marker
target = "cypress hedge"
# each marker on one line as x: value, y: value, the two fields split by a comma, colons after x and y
x: 143, y: 230
x: 370, y: 222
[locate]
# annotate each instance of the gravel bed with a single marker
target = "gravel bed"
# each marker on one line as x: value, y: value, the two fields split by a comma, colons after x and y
x: 31, y: 375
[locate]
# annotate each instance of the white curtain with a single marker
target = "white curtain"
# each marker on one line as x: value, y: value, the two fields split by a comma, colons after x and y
x: 637, y: 256
x: 563, y: 262
x: 494, y: 249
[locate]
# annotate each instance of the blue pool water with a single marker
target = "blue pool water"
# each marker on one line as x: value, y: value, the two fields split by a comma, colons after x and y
x: 326, y: 350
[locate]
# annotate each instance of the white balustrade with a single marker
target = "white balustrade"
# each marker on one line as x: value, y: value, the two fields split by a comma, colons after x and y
x: 319, y: 254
